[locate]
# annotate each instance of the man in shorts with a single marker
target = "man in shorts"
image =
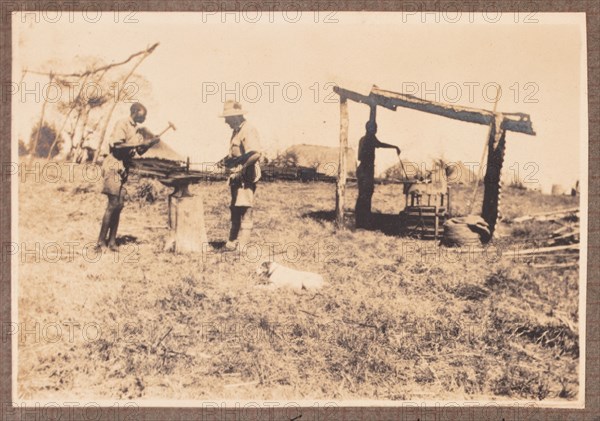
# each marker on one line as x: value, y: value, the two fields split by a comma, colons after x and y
x: 125, y: 141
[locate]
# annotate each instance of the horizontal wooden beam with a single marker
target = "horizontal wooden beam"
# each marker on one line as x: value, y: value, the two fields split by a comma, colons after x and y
x: 516, y: 122
x: 363, y: 99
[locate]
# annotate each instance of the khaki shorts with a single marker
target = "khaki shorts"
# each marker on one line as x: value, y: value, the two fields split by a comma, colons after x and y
x: 111, y: 174
x: 243, y: 196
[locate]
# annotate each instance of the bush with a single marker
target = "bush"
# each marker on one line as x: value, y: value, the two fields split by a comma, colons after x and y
x: 286, y: 159
x: 395, y: 172
x: 23, y: 150
x: 517, y: 184
x: 45, y: 141
x: 146, y: 191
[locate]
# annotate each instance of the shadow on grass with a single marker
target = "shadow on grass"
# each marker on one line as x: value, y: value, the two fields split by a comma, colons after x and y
x: 321, y: 216
x: 217, y: 245
x: 126, y: 239
x: 388, y: 224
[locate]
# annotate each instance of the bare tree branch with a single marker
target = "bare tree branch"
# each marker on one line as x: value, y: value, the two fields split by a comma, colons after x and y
x: 118, y: 97
x: 96, y: 70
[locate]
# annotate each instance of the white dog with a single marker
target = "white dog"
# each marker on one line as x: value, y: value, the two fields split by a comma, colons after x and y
x: 280, y: 276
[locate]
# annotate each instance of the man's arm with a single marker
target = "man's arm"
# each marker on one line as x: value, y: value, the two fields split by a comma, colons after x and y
x: 251, y: 144
x: 247, y: 159
x: 147, y: 144
x: 119, y: 135
x: 382, y: 145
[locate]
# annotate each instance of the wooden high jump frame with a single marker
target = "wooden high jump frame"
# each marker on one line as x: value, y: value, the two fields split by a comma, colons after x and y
x: 498, y: 122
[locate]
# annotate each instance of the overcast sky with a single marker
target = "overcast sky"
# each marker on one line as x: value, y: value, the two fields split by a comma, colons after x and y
x: 540, y: 66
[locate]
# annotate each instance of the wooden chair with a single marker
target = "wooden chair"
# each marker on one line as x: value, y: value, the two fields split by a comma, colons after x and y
x: 424, y: 213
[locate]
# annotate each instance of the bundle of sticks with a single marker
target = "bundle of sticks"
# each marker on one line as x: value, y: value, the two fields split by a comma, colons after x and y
x: 552, y: 216
x: 561, y: 248
x: 568, y: 233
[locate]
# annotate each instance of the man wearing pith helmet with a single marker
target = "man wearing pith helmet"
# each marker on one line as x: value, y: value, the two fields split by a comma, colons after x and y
x: 242, y: 161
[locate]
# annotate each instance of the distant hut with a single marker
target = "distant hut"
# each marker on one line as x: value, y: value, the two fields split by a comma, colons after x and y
x: 324, y: 158
x: 558, y: 190
x: 162, y: 151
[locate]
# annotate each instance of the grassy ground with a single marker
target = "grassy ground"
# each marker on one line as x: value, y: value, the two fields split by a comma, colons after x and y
x: 398, y: 319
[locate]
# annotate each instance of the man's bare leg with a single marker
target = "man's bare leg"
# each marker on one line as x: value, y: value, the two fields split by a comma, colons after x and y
x: 114, y: 224
x: 107, y: 219
x: 105, y: 222
x: 236, y: 216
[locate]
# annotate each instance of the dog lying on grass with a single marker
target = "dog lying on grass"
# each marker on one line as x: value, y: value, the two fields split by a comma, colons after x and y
x: 279, y: 276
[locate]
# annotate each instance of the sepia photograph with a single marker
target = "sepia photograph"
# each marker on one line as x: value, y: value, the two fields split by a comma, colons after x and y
x: 225, y: 207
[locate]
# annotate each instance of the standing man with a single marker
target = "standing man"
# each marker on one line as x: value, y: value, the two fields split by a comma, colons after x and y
x: 365, y: 174
x: 125, y: 141
x: 242, y: 161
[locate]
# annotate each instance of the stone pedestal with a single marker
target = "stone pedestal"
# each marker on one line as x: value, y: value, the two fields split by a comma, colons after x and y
x: 186, y: 221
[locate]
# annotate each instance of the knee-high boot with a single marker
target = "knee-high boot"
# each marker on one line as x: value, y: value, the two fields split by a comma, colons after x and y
x: 246, y: 225
x: 235, y: 223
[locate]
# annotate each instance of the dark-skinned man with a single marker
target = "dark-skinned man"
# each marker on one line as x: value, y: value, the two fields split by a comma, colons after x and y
x: 126, y: 140
x: 242, y: 162
x: 365, y: 174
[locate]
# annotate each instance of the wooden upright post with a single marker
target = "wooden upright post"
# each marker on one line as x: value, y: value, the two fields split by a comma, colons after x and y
x: 340, y: 192
x: 33, y: 147
x: 373, y: 114
x: 66, y: 118
x: 495, y: 159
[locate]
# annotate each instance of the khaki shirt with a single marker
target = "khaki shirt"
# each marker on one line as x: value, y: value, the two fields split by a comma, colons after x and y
x: 114, y: 171
x: 125, y: 129
x: 244, y: 140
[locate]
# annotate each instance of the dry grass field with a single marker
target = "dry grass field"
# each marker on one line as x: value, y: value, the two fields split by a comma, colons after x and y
x: 398, y: 319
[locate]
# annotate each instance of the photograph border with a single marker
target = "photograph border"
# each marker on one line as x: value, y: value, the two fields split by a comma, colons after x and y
x: 325, y: 410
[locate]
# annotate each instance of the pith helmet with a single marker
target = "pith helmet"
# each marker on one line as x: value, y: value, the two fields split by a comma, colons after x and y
x: 231, y: 108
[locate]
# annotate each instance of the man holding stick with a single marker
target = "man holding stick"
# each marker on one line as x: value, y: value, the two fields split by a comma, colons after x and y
x: 365, y: 174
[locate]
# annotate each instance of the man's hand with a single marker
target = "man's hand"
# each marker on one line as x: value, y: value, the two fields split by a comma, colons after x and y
x: 142, y: 149
x: 153, y: 142
x: 236, y: 175
x: 230, y: 162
